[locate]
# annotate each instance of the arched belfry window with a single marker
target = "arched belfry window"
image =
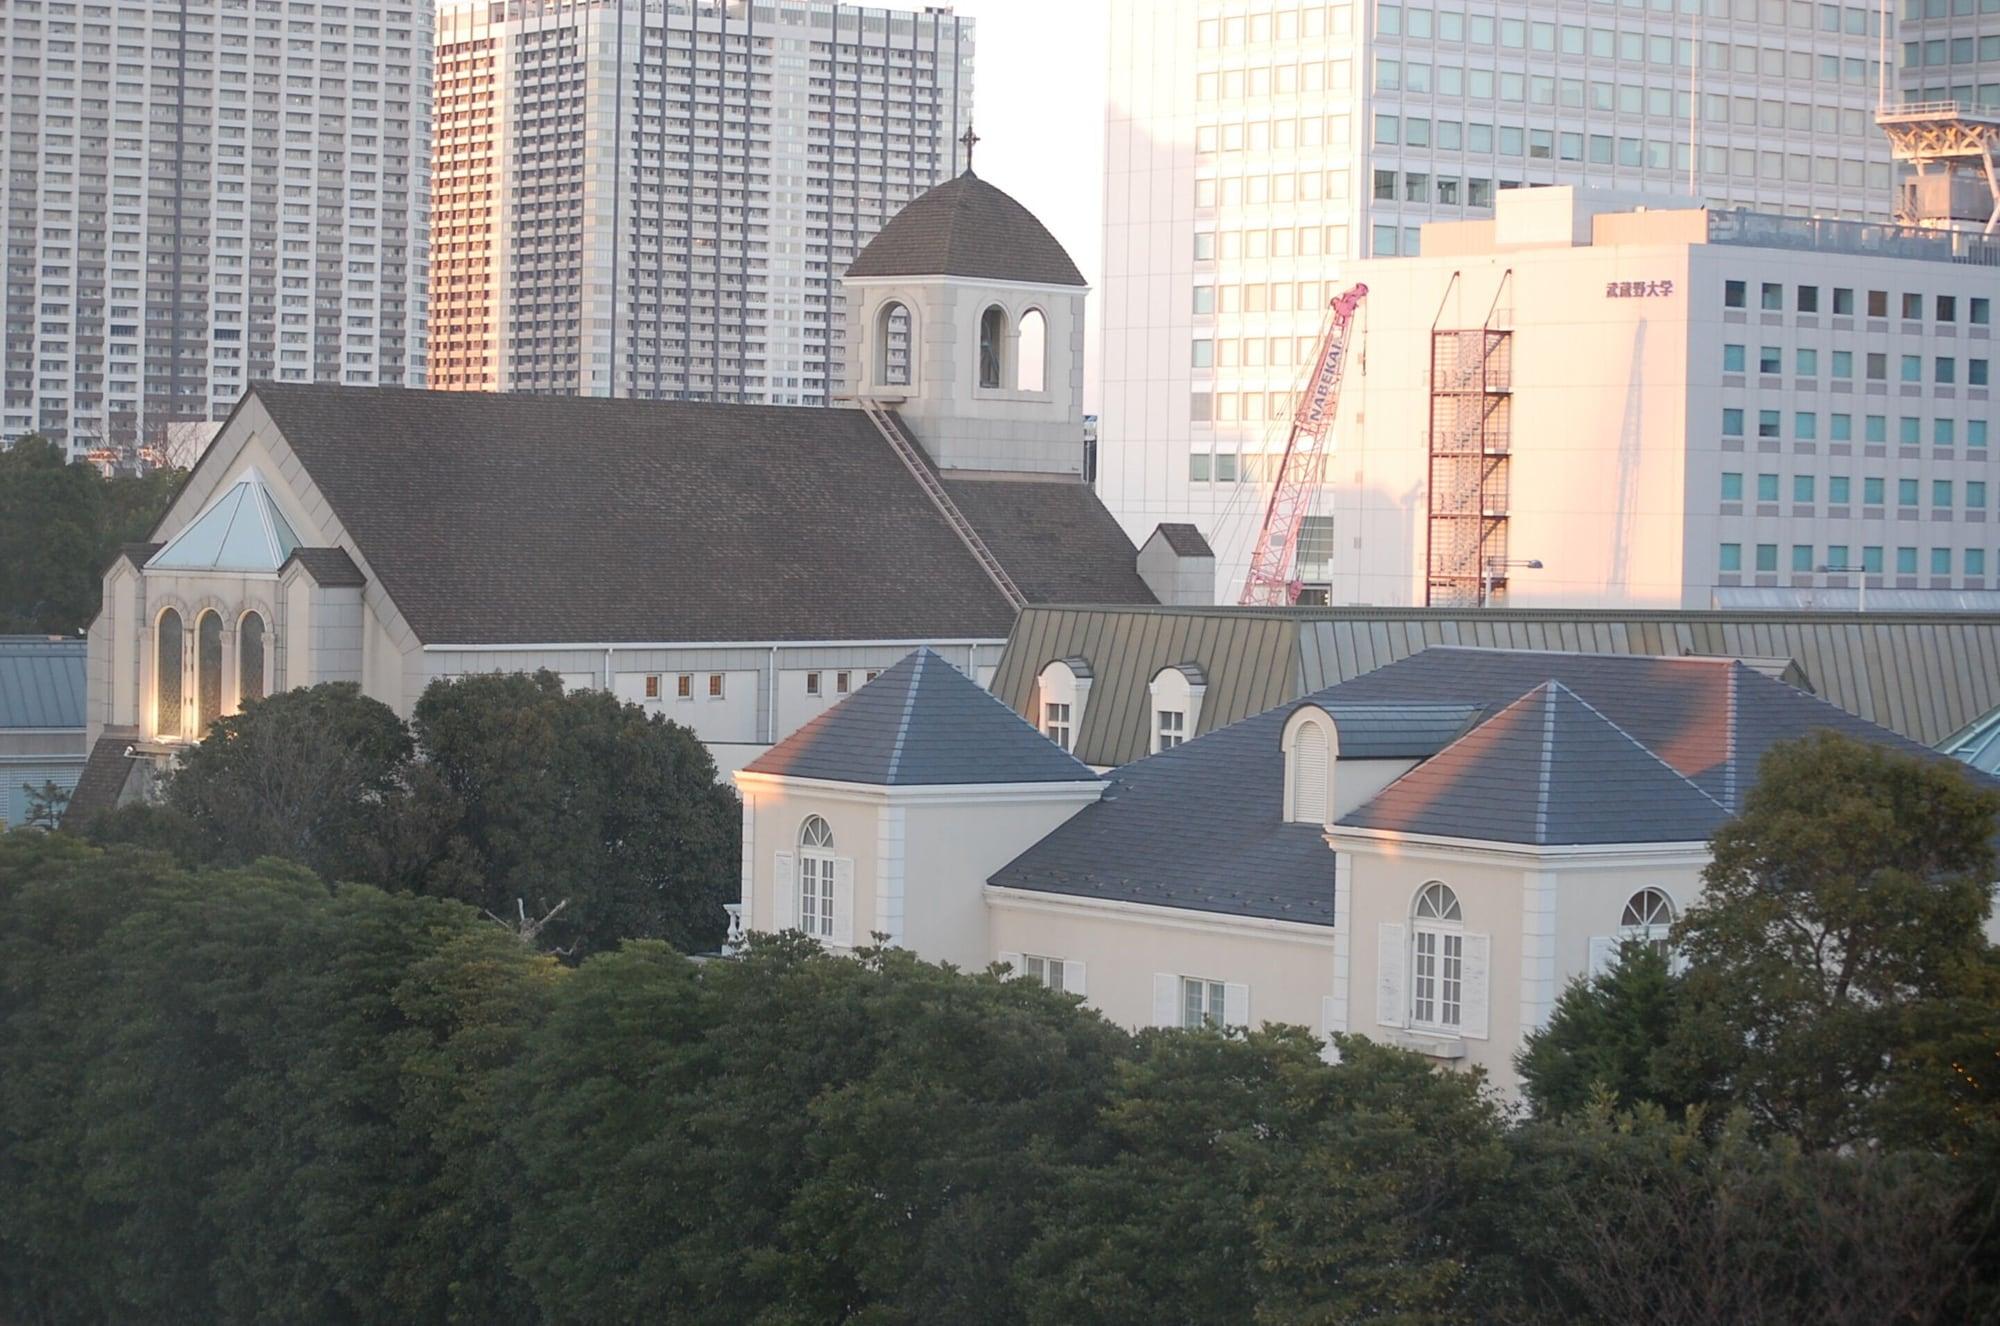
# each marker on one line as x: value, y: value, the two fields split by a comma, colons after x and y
x: 249, y: 658
x: 895, y: 365
x: 1031, y: 373
x: 167, y: 674
x: 992, y: 345
x: 208, y: 670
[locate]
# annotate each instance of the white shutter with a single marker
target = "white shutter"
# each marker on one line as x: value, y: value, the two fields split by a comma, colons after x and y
x: 1603, y: 955
x: 843, y: 901
x: 1309, y: 775
x: 1013, y: 960
x: 1478, y: 962
x: 1390, y: 947
x: 1073, y: 977
x: 1235, y: 1005
x: 785, y: 893
x: 1166, y: 999
x: 1327, y: 1028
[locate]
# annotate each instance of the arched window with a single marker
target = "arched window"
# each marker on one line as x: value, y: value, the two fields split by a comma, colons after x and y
x: 208, y: 670
x: 992, y: 345
x: 816, y: 878
x: 1437, y: 959
x: 167, y: 675
x: 894, y: 367
x: 1649, y: 914
x: 249, y: 659
x: 1031, y: 372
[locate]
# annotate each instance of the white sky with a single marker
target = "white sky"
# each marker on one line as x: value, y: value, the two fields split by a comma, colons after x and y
x: 1038, y: 86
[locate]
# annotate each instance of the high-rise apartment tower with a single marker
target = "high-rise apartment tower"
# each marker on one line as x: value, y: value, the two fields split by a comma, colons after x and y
x: 657, y: 198
x: 204, y: 193
x: 1254, y: 149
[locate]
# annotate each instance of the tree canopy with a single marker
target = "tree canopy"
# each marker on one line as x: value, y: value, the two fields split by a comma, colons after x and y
x: 60, y: 523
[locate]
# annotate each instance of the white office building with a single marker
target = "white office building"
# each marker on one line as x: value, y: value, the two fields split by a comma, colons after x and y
x: 1254, y: 152
x: 1664, y: 408
x: 657, y: 198
x: 204, y: 193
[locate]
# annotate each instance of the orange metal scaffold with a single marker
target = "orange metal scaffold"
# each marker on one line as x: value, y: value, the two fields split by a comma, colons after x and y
x: 1303, y: 465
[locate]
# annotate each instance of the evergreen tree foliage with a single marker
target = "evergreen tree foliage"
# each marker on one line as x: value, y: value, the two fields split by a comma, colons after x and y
x: 1603, y: 1036
x: 59, y: 526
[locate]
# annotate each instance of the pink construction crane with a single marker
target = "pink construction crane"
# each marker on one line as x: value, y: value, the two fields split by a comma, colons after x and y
x: 1303, y: 466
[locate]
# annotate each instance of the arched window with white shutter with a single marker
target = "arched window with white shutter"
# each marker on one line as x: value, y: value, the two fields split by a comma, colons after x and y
x: 816, y: 878
x: 1311, y: 746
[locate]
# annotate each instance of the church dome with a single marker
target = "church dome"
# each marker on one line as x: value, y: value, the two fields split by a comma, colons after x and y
x: 966, y: 227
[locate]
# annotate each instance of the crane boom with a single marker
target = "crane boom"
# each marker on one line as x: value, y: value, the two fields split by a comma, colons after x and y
x: 1303, y: 465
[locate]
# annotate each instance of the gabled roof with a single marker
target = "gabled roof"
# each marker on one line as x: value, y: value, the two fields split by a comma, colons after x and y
x: 241, y: 530
x: 98, y: 788
x: 330, y: 567
x: 41, y: 681
x: 1548, y: 770
x: 1185, y: 540
x: 1399, y: 731
x: 498, y: 519
x: 1579, y: 748
x: 921, y: 723
x: 966, y: 227
x: 1977, y: 743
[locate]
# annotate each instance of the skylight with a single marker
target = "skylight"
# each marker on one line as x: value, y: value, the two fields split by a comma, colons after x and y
x: 242, y: 530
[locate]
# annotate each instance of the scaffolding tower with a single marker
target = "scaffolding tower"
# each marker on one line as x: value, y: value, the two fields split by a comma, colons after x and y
x: 1953, y: 148
x: 1471, y: 437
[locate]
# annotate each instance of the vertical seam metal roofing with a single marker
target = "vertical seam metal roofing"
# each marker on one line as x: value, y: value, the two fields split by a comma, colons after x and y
x: 41, y: 681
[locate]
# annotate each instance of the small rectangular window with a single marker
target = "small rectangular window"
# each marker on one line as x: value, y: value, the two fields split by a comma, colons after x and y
x: 1975, y: 561
x: 1877, y: 428
x: 1732, y: 359
x: 1734, y: 293
x: 1837, y: 489
x: 1906, y: 492
x: 1732, y: 486
x: 1772, y: 297
x: 1944, y: 432
x: 1980, y: 309
x: 1944, y: 369
x: 1732, y: 421
x: 1975, y: 494
x: 812, y: 683
x: 1940, y: 561
x: 1871, y: 491
x: 869, y: 676
x: 1808, y: 299
x: 1947, y: 308
x: 1843, y: 302
x: 1172, y: 725
x: 1906, y: 561
x: 1976, y: 372
x: 652, y: 686
x: 684, y: 686
x: 1871, y: 559
x: 1043, y: 971
x: 1767, y: 423
x: 1913, y: 307
x: 1730, y: 557
x: 1767, y: 488
x: 1767, y: 557
x: 840, y: 683
x: 1802, y: 488
x: 1878, y: 303
x: 1201, y: 1002
x: 715, y: 685
x: 1805, y: 363
x: 1836, y: 557
x: 1941, y: 493
x: 1770, y: 359
x: 1055, y: 724
x: 1802, y: 558
x: 1909, y: 431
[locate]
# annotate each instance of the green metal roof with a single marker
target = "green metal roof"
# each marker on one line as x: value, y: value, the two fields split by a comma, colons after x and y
x: 41, y: 681
x: 1923, y: 675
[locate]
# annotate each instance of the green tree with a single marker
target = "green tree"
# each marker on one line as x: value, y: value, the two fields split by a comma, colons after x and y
x: 1243, y: 1179
x: 1843, y: 901
x: 582, y: 803
x: 794, y: 1136
x: 1604, y: 1035
x: 1625, y: 1217
x: 320, y: 775
x: 59, y: 526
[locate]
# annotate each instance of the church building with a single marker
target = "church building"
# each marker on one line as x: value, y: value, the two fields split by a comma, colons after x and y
x: 737, y: 568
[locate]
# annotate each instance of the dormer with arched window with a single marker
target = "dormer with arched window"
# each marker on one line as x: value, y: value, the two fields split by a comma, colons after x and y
x: 1062, y: 691
x: 1311, y: 746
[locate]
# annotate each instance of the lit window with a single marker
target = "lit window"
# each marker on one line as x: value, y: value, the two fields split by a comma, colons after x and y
x: 249, y: 659
x: 168, y: 682
x: 208, y: 670
x: 1437, y: 992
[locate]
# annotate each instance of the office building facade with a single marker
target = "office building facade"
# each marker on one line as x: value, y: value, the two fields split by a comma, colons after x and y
x: 1255, y: 152
x: 205, y: 193
x: 657, y: 198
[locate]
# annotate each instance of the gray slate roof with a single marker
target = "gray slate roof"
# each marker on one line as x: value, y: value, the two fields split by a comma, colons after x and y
x: 966, y: 227
x: 497, y: 519
x: 102, y: 781
x: 1185, y: 540
x: 331, y: 567
x: 921, y: 723
x: 41, y: 681
x: 1053, y: 537
x: 1199, y: 826
x: 1925, y: 675
x: 1547, y: 770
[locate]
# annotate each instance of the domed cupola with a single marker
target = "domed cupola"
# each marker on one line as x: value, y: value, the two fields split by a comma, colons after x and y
x: 966, y: 315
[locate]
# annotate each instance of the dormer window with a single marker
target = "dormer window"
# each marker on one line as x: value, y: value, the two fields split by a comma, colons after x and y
x: 1175, y: 694
x: 1310, y: 745
x: 1063, y: 690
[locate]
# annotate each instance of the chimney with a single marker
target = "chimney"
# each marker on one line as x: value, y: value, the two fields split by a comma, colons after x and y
x: 1179, y: 567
